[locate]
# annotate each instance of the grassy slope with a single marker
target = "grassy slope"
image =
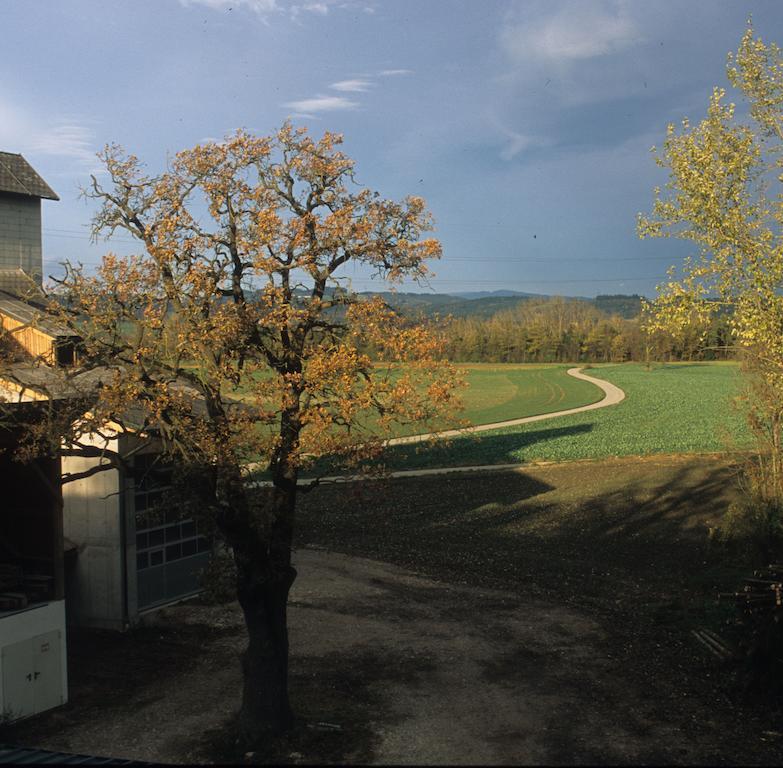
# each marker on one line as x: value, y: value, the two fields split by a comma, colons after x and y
x: 501, y: 392
x: 680, y: 408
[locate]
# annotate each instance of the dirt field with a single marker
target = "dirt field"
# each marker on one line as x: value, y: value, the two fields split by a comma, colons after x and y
x: 391, y: 666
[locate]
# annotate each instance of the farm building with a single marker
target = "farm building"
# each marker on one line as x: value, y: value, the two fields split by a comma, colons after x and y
x: 21, y: 192
x: 135, y: 552
x: 130, y: 556
x: 33, y: 669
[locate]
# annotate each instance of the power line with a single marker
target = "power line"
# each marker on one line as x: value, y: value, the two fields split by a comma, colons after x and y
x: 85, y: 236
x: 76, y: 235
x: 576, y: 259
x: 574, y: 281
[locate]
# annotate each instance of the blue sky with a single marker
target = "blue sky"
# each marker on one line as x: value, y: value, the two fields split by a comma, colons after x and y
x: 525, y: 125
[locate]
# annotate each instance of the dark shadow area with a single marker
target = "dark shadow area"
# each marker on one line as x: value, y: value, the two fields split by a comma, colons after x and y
x: 412, y: 526
x: 475, y: 448
x: 471, y: 449
x: 337, y: 698
x: 625, y: 541
x: 110, y: 670
x: 642, y: 535
x: 646, y: 526
x: 604, y: 567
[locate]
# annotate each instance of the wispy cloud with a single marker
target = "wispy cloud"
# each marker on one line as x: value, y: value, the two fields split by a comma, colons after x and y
x: 261, y: 7
x: 354, y: 86
x: 265, y: 9
x: 394, y: 72
x: 66, y: 137
x: 321, y: 103
x: 331, y: 103
x: 576, y: 32
x: 518, y: 142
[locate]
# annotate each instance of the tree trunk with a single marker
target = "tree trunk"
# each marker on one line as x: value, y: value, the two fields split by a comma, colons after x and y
x: 263, y: 595
x: 262, y: 554
x: 264, y: 579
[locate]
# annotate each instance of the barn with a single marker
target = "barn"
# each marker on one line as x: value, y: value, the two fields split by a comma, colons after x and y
x: 131, y: 552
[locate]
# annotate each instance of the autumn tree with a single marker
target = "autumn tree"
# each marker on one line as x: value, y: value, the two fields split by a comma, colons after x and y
x: 232, y: 339
x: 723, y: 195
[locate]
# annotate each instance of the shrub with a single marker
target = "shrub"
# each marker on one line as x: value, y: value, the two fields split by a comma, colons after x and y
x: 753, y: 528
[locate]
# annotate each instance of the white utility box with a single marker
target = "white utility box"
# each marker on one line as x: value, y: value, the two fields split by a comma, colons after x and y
x: 32, y: 661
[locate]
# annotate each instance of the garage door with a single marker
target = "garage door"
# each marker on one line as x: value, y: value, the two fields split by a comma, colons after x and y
x: 170, y: 551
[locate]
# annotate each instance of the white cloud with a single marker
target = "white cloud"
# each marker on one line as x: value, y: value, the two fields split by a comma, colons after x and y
x: 66, y: 137
x: 578, y: 31
x: 394, y: 72
x: 266, y: 8
x: 357, y: 85
x: 519, y: 142
x: 261, y: 7
x: 330, y: 103
x: 321, y: 103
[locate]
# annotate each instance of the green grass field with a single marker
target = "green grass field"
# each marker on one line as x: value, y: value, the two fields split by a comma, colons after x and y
x: 674, y: 408
x: 502, y: 392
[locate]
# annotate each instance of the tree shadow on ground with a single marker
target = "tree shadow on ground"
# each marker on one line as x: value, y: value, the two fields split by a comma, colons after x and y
x: 499, y: 526
x: 626, y: 542
x: 474, y: 448
x: 337, y: 698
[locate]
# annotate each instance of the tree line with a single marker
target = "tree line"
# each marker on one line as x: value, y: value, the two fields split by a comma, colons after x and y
x: 559, y: 330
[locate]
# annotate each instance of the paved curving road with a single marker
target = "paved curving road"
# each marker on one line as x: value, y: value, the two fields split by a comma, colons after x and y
x: 612, y: 396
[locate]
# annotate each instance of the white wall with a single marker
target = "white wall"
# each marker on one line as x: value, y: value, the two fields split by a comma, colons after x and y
x: 92, y: 520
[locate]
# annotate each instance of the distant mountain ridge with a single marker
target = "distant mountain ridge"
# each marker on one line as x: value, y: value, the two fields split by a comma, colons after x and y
x: 505, y: 293
x: 484, y: 304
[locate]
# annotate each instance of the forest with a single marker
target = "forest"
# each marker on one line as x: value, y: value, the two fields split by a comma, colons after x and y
x: 560, y: 330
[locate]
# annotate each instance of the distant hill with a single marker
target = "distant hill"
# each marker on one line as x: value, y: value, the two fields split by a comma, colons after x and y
x: 497, y: 294
x: 430, y: 304
x: 619, y: 304
x: 484, y: 304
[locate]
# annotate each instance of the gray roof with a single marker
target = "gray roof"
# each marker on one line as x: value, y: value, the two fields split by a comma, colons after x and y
x: 55, y: 383
x: 68, y: 384
x: 33, y: 315
x: 19, y: 177
x: 17, y: 282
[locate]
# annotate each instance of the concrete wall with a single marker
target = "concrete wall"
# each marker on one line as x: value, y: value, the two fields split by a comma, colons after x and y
x: 93, y: 521
x: 20, y: 233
